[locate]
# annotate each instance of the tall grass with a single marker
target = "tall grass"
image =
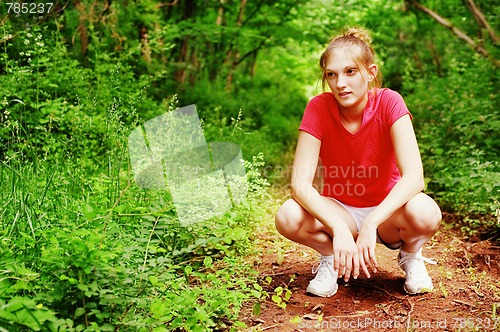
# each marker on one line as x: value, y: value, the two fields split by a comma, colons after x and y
x: 82, y: 246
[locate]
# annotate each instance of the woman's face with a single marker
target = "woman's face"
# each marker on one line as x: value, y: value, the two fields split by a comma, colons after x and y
x: 348, y: 82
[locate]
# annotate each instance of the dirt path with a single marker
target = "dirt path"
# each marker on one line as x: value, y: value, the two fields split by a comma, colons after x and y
x: 466, y: 294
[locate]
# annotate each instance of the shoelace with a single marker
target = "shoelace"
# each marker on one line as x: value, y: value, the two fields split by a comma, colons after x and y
x: 409, y: 258
x: 322, y: 272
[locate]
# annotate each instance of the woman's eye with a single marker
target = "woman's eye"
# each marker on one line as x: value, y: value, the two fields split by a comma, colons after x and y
x: 351, y: 72
x: 330, y: 74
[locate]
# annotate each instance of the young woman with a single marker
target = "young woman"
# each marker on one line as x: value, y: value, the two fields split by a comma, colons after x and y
x: 363, y: 137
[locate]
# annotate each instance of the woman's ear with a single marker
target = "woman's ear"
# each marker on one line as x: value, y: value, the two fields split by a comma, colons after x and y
x: 373, y: 71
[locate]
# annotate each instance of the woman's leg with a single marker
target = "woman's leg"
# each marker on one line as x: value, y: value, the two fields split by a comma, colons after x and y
x: 413, y: 224
x: 298, y: 225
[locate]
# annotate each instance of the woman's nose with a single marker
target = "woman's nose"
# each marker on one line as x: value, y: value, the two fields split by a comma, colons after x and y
x: 341, y: 82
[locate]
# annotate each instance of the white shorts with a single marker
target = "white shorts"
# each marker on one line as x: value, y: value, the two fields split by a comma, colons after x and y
x: 359, y: 214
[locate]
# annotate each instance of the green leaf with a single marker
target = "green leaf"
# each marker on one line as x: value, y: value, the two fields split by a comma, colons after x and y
x: 443, y: 290
x: 120, y: 208
x: 276, y: 299
x: 255, y: 293
x: 438, y: 151
x: 5, y: 285
x: 256, y: 310
x: 239, y: 324
x: 79, y: 312
x: 154, y: 281
x: 288, y: 295
x: 208, y: 261
x: 88, y: 212
x: 7, y: 316
x: 280, y: 256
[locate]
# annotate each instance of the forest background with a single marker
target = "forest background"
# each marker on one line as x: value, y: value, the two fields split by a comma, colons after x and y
x: 83, y: 247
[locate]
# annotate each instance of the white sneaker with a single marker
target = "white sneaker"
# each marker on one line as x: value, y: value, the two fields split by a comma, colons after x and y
x: 325, y: 282
x: 417, y: 280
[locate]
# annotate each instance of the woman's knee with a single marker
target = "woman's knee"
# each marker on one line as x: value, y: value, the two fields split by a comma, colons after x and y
x: 423, y: 214
x: 288, y: 217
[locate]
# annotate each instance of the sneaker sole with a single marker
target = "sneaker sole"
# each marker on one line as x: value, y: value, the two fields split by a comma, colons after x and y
x: 322, y: 295
x: 422, y: 291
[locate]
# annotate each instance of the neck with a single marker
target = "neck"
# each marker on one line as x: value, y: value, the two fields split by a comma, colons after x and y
x: 355, y: 112
x: 351, y: 115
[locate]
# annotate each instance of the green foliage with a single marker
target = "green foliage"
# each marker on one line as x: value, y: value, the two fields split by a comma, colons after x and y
x: 281, y: 296
x: 261, y: 115
x: 21, y: 311
x: 84, y: 248
x: 457, y: 126
x: 50, y: 102
x: 90, y: 265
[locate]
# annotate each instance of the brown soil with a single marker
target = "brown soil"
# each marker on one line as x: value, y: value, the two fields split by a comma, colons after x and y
x: 465, y: 298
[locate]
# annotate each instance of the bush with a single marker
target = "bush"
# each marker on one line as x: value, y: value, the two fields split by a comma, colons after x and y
x: 73, y: 260
x: 457, y: 127
x: 83, y: 247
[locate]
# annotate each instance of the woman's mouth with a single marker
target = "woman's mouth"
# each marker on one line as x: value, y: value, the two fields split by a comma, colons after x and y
x: 344, y: 94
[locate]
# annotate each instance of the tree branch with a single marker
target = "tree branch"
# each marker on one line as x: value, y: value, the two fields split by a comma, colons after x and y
x: 481, y: 20
x: 256, y: 49
x: 220, y: 13
x: 459, y: 33
x: 3, y: 22
x: 84, y: 41
x: 173, y: 3
x: 240, y: 14
x: 257, y: 8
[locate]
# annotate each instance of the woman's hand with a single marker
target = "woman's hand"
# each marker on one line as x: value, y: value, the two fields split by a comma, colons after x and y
x: 367, y: 239
x: 345, y: 254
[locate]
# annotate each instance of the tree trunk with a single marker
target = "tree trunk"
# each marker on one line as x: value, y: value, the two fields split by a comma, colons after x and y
x: 180, y: 75
x: 436, y: 58
x: 145, y: 49
x: 233, y: 54
x: 84, y: 40
x: 220, y: 13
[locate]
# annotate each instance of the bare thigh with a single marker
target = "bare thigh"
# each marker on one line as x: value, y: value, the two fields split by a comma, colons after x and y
x: 421, y: 213
x: 304, y: 221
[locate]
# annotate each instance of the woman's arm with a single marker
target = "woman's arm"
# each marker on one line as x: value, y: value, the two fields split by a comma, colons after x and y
x: 410, y: 184
x: 304, y: 168
x: 410, y: 167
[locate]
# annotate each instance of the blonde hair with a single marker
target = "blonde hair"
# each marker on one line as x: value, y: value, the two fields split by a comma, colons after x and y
x: 364, y: 57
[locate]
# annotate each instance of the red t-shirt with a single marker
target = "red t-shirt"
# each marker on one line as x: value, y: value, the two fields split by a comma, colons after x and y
x: 359, y: 169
